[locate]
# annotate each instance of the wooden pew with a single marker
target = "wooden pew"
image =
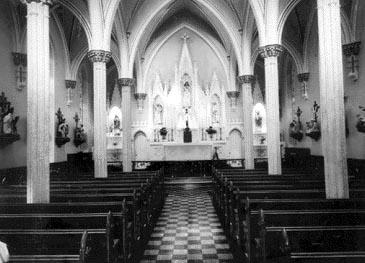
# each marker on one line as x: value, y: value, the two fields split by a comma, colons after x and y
x: 60, y: 241
x: 309, y: 243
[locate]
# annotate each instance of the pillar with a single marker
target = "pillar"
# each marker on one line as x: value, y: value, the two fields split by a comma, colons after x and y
x: 99, y: 58
x: 332, y: 99
x: 270, y: 54
x: 126, y: 86
x: 38, y: 101
x: 247, y: 81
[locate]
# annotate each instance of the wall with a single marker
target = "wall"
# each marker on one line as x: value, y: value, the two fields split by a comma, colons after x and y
x: 15, y: 154
x: 354, y: 92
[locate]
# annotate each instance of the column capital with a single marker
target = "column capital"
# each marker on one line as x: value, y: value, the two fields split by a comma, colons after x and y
x: 46, y: 2
x: 303, y: 77
x: 273, y: 50
x: 126, y: 82
x: 246, y: 79
x: 99, y: 56
x: 19, y: 59
x: 70, y: 84
x: 351, y: 49
x: 140, y: 96
x: 233, y: 94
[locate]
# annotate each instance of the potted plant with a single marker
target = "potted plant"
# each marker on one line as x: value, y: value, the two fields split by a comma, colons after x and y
x: 163, y: 132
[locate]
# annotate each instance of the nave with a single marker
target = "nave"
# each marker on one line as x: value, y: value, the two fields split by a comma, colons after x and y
x: 188, y: 230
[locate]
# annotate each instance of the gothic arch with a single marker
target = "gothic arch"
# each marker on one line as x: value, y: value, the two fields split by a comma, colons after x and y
x: 153, y: 52
x: 228, y: 26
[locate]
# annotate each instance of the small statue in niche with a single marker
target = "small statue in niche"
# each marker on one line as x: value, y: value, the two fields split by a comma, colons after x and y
x: 215, y: 113
x: 313, y: 130
x: 258, y: 119
x: 186, y: 95
x: 116, y: 125
x: 295, y: 127
x: 157, y: 113
x: 360, y: 125
x: 62, y: 129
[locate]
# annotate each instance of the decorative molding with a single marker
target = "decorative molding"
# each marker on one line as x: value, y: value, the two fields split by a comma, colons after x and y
x: 273, y: 50
x: 46, y: 2
x: 126, y: 82
x: 99, y: 56
x: 352, y: 51
x: 140, y: 97
x: 233, y: 95
x: 246, y: 79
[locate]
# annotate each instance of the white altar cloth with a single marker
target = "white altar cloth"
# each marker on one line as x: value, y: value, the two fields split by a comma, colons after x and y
x: 182, y: 151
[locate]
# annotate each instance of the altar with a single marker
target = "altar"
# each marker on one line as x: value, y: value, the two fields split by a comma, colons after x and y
x: 181, y: 151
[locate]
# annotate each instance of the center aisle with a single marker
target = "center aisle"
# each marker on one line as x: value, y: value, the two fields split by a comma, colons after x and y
x: 188, y: 230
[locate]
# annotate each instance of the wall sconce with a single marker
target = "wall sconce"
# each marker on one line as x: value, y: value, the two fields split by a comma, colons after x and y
x: 20, y: 61
x: 70, y: 85
x: 351, y: 52
x: 303, y: 79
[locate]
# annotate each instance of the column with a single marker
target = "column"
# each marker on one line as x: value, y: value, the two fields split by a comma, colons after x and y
x: 247, y: 81
x: 99, y: 58
x: 332, y: 99
x: 38, y: 101
x: 126, y: 85
x: 270, y: 54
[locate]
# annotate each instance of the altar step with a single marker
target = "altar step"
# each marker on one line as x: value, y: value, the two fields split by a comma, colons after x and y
x: 188, y: 183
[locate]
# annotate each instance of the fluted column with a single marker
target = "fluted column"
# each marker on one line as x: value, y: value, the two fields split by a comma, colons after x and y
x: 38, y: 101
x: 247, y: 81
x: 270, y: 54
x: 126, y: 85
x: 332, y: 102
x: 99, y: 58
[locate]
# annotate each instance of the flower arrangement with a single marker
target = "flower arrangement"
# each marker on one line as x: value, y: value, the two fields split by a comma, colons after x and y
x: 163, y: 132
x: 211, y: 131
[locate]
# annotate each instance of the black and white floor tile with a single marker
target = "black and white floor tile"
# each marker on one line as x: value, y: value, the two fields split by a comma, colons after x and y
x: 188, y: 230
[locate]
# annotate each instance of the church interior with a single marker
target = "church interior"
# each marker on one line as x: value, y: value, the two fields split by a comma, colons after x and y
x: 182, y: 131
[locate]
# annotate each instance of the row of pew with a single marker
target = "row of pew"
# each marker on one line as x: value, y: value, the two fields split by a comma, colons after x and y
x: 87, y: 220
x: 286, y: 218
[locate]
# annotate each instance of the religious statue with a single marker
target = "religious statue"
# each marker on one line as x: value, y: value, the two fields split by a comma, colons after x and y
x: 258, y: 119
x: 80, y: 136
x: 313, y: 129
x: 157, y: 114
x: 186, y: 95
x: 8, y: 130
x: 295, y: 127
x: 9, y: 122
x: 116, y: 125
x: 62, y: 129
x: 215, y: 113
x: 360, y: 125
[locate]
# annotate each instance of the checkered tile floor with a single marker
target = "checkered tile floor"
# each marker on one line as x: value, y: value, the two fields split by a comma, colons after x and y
x: 188, y: 230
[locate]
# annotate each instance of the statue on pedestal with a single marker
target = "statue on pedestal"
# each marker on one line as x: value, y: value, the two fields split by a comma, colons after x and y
x: 62, y: 129
x: 157, y: 114
x: 8, y: 130
x: 116, y: 125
